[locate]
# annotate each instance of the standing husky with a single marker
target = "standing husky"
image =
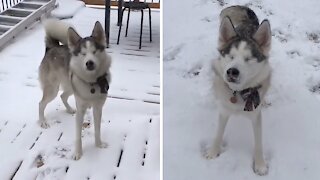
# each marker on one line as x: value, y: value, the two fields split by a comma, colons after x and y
x: 81, y: 66
x: 242, y: 75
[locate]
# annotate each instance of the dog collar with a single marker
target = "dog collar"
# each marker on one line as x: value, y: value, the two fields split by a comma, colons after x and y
x: 102, y: 82
x: 250, y: 96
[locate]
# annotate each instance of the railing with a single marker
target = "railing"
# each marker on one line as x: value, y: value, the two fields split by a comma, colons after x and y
x: 153, y: 3
x: 5, y: 4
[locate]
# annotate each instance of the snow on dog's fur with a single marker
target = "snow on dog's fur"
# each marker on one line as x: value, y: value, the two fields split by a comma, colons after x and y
x: 81, y: 67
x: 242, y: 75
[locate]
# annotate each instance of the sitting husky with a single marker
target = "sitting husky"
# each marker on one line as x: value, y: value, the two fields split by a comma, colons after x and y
x: 81, y: 66
x: 242, y: 75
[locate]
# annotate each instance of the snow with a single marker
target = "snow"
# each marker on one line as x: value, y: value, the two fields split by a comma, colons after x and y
x: 67, y: 8
x: 131, y: 115
x: 291, y: 135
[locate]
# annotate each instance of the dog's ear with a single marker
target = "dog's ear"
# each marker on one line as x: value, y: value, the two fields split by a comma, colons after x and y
x: 98, y: 34
x: 263, y: 36
x: 226, y: 31
x: 73, y: 38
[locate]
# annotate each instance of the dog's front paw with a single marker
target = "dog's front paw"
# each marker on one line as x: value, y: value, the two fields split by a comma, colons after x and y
x: 77, y: 155
x: 44, y: 124
x: 211, y: 154
x: 102, y: 145
x: 260, y: 168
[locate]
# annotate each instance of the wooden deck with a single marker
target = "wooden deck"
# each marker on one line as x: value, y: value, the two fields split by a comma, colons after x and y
x: 131, y: 123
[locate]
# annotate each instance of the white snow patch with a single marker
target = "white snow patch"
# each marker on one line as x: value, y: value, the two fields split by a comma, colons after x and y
x: 291, y: 125
x: 67, y: 8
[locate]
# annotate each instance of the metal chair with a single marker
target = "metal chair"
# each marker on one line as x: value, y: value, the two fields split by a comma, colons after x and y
x: 135, y: 5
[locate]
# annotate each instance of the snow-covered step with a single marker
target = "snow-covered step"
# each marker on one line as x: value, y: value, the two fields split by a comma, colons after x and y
x: 37, y: 1
x: 16, y: 13
x: 9, y: 21
x: 27, y: 6
x: 21, y: 10
x: 21, y: 16
x: 3, y: 30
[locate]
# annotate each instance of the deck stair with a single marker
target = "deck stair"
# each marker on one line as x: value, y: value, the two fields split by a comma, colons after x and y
x: 21, y: 16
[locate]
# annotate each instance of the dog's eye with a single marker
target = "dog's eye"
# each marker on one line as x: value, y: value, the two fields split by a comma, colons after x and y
x: 94, y: 51
x: 83, y: 54
x: 231, y: 57
x: 247, y: 59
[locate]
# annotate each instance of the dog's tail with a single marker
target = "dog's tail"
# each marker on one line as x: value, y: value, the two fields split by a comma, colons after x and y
x: 240, y: 14
x: 56, y: 31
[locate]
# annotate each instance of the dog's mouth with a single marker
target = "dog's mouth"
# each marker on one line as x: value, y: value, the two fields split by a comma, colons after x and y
x: 90, y: 68
x: 233, y: 80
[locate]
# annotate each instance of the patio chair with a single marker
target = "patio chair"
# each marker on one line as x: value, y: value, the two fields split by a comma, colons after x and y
x: 135, y: 5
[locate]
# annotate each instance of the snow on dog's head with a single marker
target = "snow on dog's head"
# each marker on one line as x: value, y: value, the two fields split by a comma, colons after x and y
x: 88, y: 54
x: 243, y: 58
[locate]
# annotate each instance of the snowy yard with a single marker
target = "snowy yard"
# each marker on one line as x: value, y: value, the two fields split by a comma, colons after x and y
x: 131, y: 116
x: 291, y: 123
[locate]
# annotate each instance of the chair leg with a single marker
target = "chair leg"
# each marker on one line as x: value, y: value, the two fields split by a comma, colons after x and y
x: 141, y: 29
x: 150, y: 25
x: 128, y: 22
x: 120, y: 25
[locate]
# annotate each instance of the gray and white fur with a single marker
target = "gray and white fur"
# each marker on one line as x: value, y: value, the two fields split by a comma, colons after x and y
x: 74, y: 64
x: 244, y: 47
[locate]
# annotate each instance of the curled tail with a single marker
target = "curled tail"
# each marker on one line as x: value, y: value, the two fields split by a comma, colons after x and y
x: 56, y: 31
x: 240, y: 15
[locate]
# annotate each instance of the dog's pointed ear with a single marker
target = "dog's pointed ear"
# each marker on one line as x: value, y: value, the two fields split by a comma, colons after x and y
x: 73, y: 38
x: 98, y: 34
x: 226, y: 31
x: 263, y: 36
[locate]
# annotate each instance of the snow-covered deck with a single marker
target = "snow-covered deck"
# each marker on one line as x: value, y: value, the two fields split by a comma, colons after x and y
x: 130, y: 119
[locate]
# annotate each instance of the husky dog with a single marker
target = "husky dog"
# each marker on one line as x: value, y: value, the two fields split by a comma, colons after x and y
x: 81, y: 67
x: 242, y: 75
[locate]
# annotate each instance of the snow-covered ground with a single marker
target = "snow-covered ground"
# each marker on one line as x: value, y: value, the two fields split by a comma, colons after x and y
x: 67, y: 8
x: 291, y: 123
x: 131, y: 116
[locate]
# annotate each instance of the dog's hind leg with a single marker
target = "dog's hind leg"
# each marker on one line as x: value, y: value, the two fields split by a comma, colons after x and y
x: 214, y: 151
x: 97, y: 113
x: 49, y: 93
x: 64, y: 97
x: 259, y: 165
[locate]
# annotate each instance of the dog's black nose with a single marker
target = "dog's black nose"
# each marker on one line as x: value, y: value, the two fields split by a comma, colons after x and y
x: 233, y: 72
x: 90, y: 65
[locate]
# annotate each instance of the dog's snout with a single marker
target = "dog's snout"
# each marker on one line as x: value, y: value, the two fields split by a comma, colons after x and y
x: 233, y: 72
x: 90, y: 65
